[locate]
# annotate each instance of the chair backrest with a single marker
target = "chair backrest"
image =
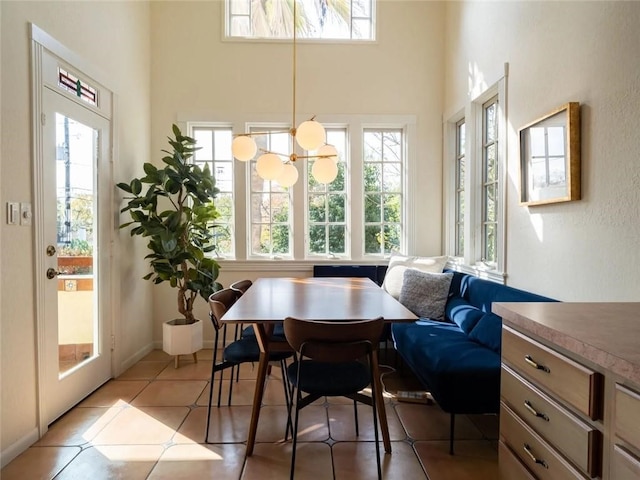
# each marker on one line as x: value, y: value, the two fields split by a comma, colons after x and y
x: 219, y: 303
x: 241, y: 286
x: 333, y: 341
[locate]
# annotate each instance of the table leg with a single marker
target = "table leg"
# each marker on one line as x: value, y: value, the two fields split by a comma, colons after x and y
x: 382, y: 412
x: 263, y: 343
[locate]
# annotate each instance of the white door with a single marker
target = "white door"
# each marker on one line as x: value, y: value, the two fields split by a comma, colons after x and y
x: 75, y: 243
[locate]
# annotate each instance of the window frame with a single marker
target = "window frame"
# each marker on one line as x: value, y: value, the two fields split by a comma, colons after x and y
x: 472, y: 261
x: 273, y: 189
x: 372, y: 19
x: 382, y: 193
x: 486, y: 183
x: 460, y: 183
x: 299, y: 260
x: 344, y: 159
x: 232, y: 224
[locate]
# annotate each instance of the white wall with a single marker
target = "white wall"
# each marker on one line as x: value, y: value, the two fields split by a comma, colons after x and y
x: 114, y: 37
x: 195, y: 73
x: 560, y: 52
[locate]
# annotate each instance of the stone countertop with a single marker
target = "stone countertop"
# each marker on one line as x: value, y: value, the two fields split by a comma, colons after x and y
x: 607, y: 334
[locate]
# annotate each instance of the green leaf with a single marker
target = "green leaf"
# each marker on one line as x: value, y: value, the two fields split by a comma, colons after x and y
x: 149, y: 168
x: 136, y: 186
x: 124, y: 186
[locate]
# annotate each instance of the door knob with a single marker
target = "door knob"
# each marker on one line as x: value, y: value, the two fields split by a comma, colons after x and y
x: 52, y: 273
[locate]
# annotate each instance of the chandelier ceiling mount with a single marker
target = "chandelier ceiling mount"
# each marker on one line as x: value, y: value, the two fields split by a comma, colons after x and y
x: 310, y: 135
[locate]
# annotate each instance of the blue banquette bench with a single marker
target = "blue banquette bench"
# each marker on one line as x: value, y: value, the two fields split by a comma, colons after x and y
x: 458, y: 359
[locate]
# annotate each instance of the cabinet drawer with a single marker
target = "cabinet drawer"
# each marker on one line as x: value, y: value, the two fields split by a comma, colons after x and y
x: 535, y: 453
x: 580, y: 442
x: 627, y: 415
x: 509, y: 467
x: 571, y: 382
x: 624, y: 465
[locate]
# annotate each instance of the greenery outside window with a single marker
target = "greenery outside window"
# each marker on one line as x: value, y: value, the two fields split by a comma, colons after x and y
x: 459, y: 188
x: 327, y: 205
x: 490, y: 187
x: 215, y: 150
x: 359, y: 217
x: 475, y: 178
x: 383, y: 152
x: 317, y: 19
x: 271, y: 206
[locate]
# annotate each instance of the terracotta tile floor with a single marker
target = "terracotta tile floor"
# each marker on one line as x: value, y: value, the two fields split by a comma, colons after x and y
x: 149, y: 424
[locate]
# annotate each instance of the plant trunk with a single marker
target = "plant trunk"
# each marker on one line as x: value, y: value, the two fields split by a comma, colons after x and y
x: 185, y: 306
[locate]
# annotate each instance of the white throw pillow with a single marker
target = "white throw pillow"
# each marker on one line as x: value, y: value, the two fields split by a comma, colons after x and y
x: 399, y: 263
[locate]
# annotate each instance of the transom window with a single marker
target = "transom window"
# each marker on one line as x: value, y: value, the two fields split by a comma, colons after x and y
x: 317, y: 19
x: 382, y: 178
x: 69, y: 82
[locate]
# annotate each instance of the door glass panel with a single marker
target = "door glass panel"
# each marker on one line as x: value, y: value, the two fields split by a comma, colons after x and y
x: 76, y: 157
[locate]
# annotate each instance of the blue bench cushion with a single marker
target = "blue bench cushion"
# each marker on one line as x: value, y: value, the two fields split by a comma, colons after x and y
x: 488, y: 332
x: 462, y: 375
x: 463, y: 314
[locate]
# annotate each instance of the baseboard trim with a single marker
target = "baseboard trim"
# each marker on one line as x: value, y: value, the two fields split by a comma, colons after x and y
x: 15, y: 449
x: 205, y: 344
x: 136, y: 357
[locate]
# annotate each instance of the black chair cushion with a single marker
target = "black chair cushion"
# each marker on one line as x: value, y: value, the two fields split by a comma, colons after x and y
x: 331, y: 379
x: 278, y: 332
x: 247, y: 350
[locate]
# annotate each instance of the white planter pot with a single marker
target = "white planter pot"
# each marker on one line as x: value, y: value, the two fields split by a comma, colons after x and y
x: 181, y: 339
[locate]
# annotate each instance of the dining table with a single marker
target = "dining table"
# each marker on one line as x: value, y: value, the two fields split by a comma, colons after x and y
x: 270, y: 300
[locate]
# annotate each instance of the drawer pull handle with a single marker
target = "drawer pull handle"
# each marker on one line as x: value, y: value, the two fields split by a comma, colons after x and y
x: 534, y: 364
x: 527, y: 450
x: 538, y: 414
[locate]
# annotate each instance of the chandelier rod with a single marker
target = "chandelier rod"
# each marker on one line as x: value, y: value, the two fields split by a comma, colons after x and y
x: 293, y: 121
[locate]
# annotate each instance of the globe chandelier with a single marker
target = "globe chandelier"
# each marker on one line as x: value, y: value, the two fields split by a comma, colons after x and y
x: 310, y: 135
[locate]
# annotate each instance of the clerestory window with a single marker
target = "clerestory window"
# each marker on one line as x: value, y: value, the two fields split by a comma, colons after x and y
x: 317, y: 19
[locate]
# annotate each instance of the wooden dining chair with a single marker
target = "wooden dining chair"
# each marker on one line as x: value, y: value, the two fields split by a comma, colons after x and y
x: 241, y: 286
x: 328, y: 363
x: 239, y: 351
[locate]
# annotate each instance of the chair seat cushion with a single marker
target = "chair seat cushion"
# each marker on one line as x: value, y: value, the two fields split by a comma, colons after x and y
x: 331, y: 379
x: 247, y: 350
x: 278, y: 332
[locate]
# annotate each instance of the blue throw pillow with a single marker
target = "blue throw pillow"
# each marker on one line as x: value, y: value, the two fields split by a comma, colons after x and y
x: 488, y: 332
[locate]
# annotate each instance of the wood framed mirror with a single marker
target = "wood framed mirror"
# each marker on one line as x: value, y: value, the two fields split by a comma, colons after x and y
x: 550, y: 157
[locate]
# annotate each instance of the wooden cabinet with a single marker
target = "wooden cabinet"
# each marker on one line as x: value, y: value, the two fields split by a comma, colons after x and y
x: 540, y: 390
x: 577, y: 440
x: 571, y: 382
x: 625, y: 465
x: 570, y: 391
x: 509, y: 466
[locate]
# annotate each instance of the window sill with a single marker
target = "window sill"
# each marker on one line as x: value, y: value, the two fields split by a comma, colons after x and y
x: 273, y: 265
x: 478, y: 271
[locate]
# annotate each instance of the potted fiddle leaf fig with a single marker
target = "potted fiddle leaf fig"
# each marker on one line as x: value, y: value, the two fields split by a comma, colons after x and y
x: 173, y: 208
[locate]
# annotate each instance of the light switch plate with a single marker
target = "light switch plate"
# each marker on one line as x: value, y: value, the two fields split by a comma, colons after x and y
x: 13, y: 213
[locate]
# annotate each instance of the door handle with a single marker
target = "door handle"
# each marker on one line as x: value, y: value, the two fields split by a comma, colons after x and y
x: 52, y: 273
